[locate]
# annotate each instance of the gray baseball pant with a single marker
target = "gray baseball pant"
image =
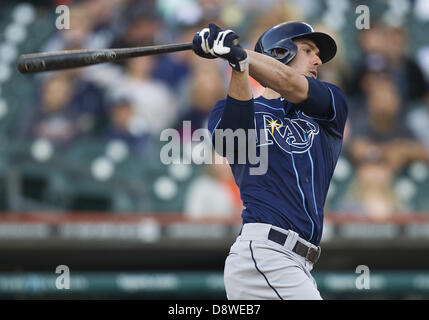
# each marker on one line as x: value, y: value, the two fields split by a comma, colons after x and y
x: 260, y: 269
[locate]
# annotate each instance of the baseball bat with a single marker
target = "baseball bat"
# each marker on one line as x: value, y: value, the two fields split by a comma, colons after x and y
x: 49, y: 61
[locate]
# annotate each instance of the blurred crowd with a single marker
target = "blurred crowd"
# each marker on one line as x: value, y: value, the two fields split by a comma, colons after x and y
x: 135, y: 100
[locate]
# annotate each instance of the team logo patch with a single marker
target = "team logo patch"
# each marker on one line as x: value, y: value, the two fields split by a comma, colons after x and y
x: 291, y: 135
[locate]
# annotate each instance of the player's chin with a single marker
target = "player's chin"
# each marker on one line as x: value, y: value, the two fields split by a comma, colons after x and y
x: 312, y: 74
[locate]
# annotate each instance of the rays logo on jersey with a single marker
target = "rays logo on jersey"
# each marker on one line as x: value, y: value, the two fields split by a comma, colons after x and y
x: 291, y: 135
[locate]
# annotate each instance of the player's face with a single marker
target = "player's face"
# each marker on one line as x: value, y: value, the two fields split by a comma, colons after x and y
x: 307, y: 59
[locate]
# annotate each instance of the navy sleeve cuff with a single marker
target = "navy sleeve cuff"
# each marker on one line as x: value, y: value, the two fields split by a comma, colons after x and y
x: 238, y: 114
x: 242, y: 103
x: 318, y: 102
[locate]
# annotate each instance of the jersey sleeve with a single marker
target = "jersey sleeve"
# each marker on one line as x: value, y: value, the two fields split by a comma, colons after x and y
x: 326, y: 104
x: 215, y: 116
x: 230, y: 114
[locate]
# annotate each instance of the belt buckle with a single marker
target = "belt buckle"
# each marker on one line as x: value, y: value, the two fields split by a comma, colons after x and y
x: 313, y: 254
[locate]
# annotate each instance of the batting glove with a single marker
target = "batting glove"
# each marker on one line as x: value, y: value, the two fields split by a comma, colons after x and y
x: 213, y: 42
x: 225, y: 44
x: 200, y: 44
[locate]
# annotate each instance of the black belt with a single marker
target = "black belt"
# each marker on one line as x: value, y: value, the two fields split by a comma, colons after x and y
x: 310, y: 253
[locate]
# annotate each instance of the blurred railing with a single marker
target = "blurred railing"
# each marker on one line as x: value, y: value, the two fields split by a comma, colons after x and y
x: 170, y: 256
x: 153, y: 227
x: 201, y: 285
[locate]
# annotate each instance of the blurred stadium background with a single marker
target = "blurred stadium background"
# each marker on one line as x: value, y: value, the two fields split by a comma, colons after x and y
x: 82, y: 184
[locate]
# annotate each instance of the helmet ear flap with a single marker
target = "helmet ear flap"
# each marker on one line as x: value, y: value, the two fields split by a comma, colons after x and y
x: 288, y: 46
x: 258, y: 47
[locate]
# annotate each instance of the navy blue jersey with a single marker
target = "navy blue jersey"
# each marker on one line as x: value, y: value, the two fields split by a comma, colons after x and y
x: 304, y: 142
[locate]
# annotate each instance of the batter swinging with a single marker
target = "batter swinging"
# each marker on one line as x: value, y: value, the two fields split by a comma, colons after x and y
x: 301, y: 120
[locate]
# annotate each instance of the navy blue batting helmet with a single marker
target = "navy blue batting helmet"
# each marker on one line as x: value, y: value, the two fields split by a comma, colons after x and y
x: 282, y: 35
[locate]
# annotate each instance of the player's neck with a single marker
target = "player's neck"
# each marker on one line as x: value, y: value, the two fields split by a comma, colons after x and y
x: 270, y: 94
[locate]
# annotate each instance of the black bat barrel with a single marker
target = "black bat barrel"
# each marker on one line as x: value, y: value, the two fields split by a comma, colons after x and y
x: 49, y: 61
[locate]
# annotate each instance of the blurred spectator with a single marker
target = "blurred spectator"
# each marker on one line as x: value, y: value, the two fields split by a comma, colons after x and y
x: 141, y: 25
x: 154, y: 105
x: 370, y: 194
x: 380, y: 133
x: 407, y: 74
x: 212, y: 9
x: 380, y: 119
x: 88, y: 102
x: 418, y: 121
x: 104, y: 15
x: 69, y: 107
x: 86, y: 29
x: 206, y: 88
x: 174, y: 69
x: 52, y: 118
x: 371, y: 60
x: 270, y: 16
x: 385, y: 48
x: 214, y: 194
x: 120, y: 127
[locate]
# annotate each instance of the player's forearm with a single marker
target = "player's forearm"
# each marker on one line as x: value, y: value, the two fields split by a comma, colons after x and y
x: 278, y: 77
x: 238, y: 112
x: 239, y: 87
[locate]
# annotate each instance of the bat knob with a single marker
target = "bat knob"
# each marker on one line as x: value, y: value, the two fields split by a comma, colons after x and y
x: 29, y: 65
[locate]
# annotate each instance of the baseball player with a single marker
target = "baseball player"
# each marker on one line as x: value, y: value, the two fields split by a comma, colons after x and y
x: 301, y: 122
